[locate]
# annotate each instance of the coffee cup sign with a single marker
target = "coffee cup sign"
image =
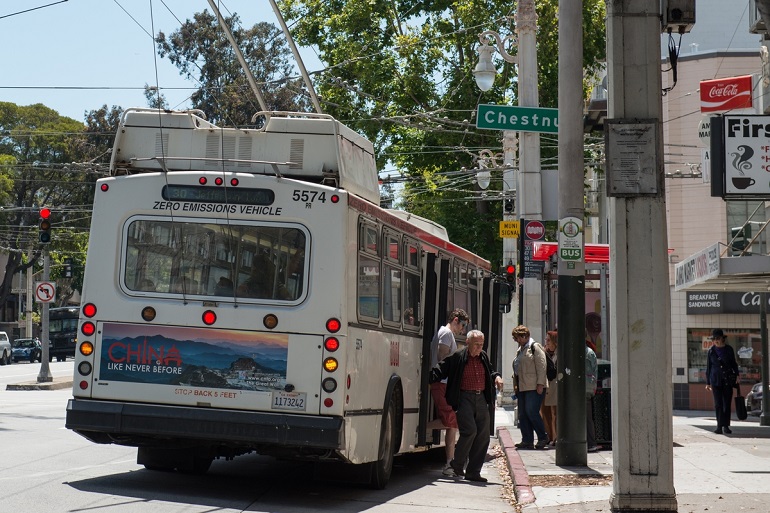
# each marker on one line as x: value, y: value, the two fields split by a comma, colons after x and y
x: 746, y: 154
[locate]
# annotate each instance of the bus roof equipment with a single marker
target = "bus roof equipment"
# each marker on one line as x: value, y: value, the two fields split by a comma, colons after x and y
x: 312, y: 147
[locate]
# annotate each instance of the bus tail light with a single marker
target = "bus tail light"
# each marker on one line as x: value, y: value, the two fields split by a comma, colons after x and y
x: 270, y: 321
x: 89, y: 310
x: 83, y: 385
x: 209, y: 317
x: 331, y: 364
x: 333, y: 325
x: 329, y: 385
x: 85, y: 368
x: 328, y: 402
x: 148, y: 313
x: 88, y: 328
x: 332, y: 344
x: 86, y: 348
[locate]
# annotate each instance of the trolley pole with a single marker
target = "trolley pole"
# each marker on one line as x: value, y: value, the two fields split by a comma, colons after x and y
x: 45, y: 375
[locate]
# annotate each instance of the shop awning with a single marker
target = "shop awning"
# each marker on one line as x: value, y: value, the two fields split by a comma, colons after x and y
x: 594, y: 253
x: 707, y: 270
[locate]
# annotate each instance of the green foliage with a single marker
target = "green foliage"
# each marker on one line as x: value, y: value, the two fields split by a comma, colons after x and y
x: 202, y: 53
x: 400, y: 72
x: 47, y: 160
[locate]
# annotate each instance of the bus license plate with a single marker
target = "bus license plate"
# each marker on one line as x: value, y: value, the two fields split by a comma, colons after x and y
x: 289, y: 400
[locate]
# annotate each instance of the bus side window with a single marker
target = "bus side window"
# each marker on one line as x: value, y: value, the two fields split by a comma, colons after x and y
x: 368, y: 273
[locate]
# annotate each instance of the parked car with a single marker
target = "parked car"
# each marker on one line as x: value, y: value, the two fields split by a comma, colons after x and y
x: 754, y: 398
x: 29, y: 349
x: 5, y: 348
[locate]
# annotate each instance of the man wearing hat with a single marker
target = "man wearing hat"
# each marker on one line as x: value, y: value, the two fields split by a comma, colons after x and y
x: 721, y: 376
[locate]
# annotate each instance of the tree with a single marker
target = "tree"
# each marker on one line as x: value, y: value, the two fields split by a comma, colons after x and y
x: 45, y: 160
x: 202, y: 53
x: 400, y: 72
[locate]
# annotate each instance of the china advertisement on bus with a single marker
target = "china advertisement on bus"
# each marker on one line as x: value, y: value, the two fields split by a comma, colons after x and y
x: 194, y: 357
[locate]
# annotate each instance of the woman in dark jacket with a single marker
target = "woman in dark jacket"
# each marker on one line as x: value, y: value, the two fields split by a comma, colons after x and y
x: 721, y: 376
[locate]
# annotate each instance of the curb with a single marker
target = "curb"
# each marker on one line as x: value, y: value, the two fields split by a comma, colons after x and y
x: 521, y: 486
x: 34, y: 385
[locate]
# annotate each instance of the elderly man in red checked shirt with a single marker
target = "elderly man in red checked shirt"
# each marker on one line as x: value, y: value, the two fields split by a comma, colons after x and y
x: 470, y: 391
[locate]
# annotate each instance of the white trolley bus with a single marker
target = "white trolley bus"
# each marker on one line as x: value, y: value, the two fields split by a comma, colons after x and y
x: 245, y: 292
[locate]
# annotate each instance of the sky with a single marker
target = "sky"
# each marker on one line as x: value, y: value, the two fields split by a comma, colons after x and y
x: 77, y: 55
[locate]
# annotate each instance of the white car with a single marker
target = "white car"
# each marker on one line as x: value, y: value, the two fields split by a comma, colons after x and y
x: 5, y: 348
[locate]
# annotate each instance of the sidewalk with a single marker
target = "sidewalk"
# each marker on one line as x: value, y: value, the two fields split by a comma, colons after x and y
x: 57, y: 383
x: 713, y: 473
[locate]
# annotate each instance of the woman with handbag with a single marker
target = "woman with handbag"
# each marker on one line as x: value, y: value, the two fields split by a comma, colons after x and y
x: 721, y: 376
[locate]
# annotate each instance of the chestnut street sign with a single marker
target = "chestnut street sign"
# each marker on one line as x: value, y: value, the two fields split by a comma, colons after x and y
x: 520, y: 119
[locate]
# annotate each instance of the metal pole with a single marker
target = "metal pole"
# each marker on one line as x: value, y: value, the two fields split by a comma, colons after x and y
x: 571, y: 448
x: 28, y: 304
x: 239, y: 55
x: 297, y: 57
x: 764, y: 417
x: 529, y: 191
x: 45, y: 375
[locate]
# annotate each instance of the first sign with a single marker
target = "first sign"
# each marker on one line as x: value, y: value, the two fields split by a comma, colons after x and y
x: 520, y: 119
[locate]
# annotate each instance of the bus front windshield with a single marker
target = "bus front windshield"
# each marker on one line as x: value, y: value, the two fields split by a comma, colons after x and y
x: 190, y: 257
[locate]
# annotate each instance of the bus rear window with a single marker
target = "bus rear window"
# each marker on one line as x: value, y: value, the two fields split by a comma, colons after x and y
x: 189, y: 257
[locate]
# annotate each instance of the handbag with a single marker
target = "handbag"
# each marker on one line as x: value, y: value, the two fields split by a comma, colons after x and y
x: 740, y: 404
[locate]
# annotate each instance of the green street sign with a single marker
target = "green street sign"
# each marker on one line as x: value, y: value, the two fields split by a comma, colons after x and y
x: 520, y: 119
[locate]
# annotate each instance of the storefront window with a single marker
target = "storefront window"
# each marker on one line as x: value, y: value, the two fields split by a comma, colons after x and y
x: 747, y: 344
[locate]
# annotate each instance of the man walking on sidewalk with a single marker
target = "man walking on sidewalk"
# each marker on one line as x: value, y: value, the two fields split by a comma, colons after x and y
x: 470, y: 384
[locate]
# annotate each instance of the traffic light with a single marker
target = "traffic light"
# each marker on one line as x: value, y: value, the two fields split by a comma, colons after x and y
x: 44, y: 233
x: 740, y: 238
x: 509, y: 206
x: 68, y: 268
x: 510, y: 273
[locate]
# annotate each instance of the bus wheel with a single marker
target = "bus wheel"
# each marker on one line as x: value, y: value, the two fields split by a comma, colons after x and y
x: 382, y: 468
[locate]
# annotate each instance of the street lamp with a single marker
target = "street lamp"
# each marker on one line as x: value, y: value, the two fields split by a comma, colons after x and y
x: 485, y: 70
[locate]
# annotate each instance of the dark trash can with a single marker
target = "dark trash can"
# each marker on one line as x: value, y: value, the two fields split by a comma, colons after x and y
x: 602, y: 416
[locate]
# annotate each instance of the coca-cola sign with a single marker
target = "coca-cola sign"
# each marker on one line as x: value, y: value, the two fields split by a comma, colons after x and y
x: 726, y: 94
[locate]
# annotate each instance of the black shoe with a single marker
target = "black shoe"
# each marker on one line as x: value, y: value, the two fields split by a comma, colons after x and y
x: 541, y: 444
x: 728, y: 430
x: 478, y: 479
x: 523, y: 445
x: 718, y: 431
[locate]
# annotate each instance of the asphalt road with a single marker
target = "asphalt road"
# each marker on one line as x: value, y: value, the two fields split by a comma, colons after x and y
x: 46, y: 467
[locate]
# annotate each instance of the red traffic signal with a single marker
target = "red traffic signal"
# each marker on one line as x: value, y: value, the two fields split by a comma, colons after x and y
x: 44, y: 234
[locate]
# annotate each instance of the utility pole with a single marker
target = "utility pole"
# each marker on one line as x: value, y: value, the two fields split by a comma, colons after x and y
x: 641, y: 402
x: 529, y: 194
x: 571, y: 448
